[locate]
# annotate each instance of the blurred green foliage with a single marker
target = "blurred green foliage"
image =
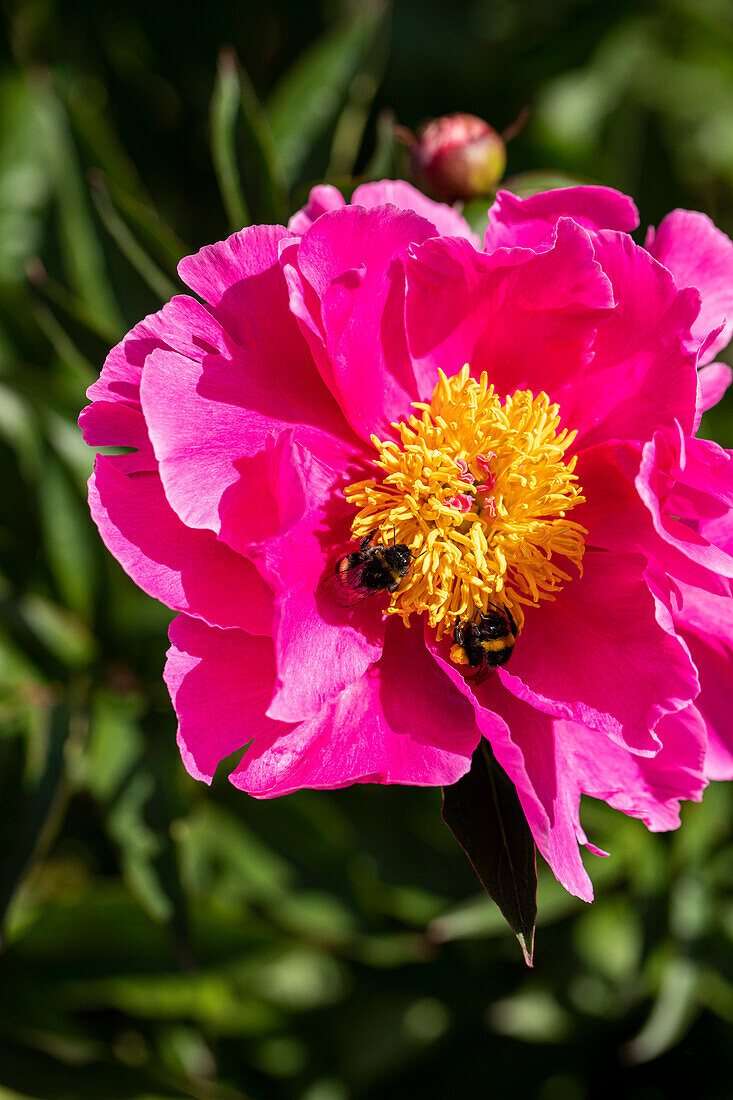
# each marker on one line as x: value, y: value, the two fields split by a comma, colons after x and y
x: 162, y: 939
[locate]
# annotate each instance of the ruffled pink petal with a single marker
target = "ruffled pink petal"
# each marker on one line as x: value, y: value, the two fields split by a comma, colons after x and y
x: 552, y: 763
x: 220, y: 682
x: 715, y: 701
x: 523, y: 743
x: 682, y: 481
x: 597, y: 655
x: 527, y: 319
x: 402, y: 723
x: 212, y: 404
x: 529, y: 222
x: 115, y: 418
x: 706, y: 623
x: 240, y: 279
x: 112, y: 424
x: 699, y: 255
x: 346, y: 285
x: 650, y: 788
x: 713, y: 380
x: 322, y: 198
x: 119, y: 381
x: 320, y: 648
x: 566, y: 760
x: 617, y: 519
x: 186, y: 570
x: 643, y: 374
x: 446, y: 221
x: 380, y: 729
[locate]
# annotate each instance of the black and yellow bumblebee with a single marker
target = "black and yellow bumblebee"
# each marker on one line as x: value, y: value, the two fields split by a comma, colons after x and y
x: 371, y: 569
x: 485, y: 643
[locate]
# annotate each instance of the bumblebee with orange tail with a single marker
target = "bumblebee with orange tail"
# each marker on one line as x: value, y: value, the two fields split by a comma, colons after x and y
x: 486, y: 643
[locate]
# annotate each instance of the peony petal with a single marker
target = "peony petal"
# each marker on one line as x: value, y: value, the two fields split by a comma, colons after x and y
x: 616, y: 518
x: 347, y: 289
x: 529, y: 222
x: 650, y: 788
x: 597, y: 655
x: 219, y: 682
x: 706, y: 623
x: 643, y: 375
x: 401, y: 723
x: 322, y: 198
x: 379, y: 729
x: 240, y: 279
x: 527, y: 319
x: 446, y: 221
x: 522, y: 741
x: 319, y: 648
x: 213, y: 404
x: 186, y: 570
x: 552, y: 763
x: 682, y: 481
x: 699, y: 255
x: 713, y: 380
x: 115, y: 419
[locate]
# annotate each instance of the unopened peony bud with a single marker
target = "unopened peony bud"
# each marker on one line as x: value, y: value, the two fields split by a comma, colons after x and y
x: 458, y: 157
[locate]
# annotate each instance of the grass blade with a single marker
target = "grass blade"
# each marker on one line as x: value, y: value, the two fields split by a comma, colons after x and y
x: 310, y: 96
x: 81, y: 249
x: 224, y: 115
x: 130, y: 248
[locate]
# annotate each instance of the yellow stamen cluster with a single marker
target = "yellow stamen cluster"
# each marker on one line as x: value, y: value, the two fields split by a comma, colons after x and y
x: 479, y: 490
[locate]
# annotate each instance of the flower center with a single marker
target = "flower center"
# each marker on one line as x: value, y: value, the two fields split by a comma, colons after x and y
x: 478, y: 489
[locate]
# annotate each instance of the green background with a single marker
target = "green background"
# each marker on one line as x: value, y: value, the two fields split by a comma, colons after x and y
x: 163, y: 939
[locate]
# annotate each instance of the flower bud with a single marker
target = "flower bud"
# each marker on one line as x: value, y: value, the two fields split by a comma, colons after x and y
x: 458, y: 157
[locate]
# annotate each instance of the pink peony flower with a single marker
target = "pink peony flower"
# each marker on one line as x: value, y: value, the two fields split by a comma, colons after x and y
x: 521, y: 416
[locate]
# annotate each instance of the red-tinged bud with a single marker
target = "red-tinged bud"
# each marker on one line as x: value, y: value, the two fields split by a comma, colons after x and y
x: 458, y: 157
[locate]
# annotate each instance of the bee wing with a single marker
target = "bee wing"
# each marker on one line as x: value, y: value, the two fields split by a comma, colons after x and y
x: 345, y: 586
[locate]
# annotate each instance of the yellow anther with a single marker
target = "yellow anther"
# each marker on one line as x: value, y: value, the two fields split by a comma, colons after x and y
x: 479, y: 491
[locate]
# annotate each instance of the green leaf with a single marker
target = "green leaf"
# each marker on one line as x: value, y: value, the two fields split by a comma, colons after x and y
x: 308, y: 98
x: 79, y: 370
x: 68, y: 537
x: 81, y: 250
x: 483, y: 812
x: 139, y: 823
x: 27, y: 820
x: 25, y: 179
x: 97, y: 136
x: 114, y: 745
x: 224, y: 113
x: 130, y: 248
x: 159, y: 236
x: 48, y: 636
x: 381, y: 164
x: 673, y: 1013
x: 72, y: 305
x: 19, y: 430
x: 242, y: 148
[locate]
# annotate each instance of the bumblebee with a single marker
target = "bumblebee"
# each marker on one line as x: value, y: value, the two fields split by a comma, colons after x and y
x: 486, y: 643
x: 371, y: 569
